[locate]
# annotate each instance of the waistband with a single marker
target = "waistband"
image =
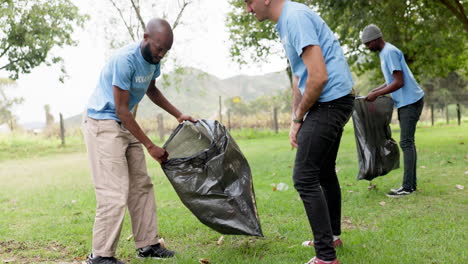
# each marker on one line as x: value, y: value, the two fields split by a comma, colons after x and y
x: 349, y: 98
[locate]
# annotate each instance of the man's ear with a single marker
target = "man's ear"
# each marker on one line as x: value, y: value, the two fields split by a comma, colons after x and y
x: 145, y: 36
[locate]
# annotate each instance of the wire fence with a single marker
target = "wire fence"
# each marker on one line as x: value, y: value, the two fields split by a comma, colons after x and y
x: 275, y: 120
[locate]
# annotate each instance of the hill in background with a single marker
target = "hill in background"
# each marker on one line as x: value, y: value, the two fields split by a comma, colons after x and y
x: 197, y: 93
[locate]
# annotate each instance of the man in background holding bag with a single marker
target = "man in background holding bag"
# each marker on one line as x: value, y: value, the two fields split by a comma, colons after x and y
x: 408, y: 97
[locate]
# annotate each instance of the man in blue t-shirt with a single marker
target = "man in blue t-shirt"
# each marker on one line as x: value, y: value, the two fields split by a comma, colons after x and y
x: 322, y: 105
x: 114, y: 141
x: 408, y: 98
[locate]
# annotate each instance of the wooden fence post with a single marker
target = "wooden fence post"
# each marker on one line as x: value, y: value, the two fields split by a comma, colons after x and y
x: 229, y: 119
x: 275, y: 119
x: 447, y: 113
x: 161, y: 127
x: 432, y: 114
x: 62, y: 130
x: 220, y: 111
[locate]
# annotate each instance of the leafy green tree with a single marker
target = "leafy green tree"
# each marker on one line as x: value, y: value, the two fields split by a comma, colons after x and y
x: 429, y: 32
x: 442, y: 91
x: 29, y: 29
x: 6, y: 104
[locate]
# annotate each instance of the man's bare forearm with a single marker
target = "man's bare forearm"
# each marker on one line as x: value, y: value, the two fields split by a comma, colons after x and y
x: 131, y: 125
x: 316, y: 79
x: 395, y: 85
x: 297, y: 96
x: 379, y: 88
x: 311, y: 95
x: 160, y: 100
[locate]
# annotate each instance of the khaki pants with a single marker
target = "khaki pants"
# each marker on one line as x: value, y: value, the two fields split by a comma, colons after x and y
x: 121, y: 180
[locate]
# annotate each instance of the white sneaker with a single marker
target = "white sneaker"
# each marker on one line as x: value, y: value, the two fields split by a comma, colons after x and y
x: 336, y: 242
x: 315, y: 260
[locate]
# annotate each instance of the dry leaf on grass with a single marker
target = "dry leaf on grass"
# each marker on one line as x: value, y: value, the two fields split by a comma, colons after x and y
x: 220, y: 240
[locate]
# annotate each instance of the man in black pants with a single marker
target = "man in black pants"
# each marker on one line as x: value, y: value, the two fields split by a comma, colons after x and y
x: 322, y: 105
x: 407, y: 96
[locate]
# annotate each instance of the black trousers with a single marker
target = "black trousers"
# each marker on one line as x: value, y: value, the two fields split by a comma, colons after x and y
x: 409, y: 116
x: 314, y: 170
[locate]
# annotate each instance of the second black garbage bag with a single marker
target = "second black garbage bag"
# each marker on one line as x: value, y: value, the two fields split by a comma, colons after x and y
x: 378, y: 153
x: 212, y: 177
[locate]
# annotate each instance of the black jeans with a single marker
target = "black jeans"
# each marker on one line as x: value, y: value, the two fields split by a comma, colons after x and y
x: 408, y: 117
x: 314, y: 170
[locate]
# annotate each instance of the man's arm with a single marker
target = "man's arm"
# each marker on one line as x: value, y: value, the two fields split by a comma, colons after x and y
x: 379, y: 88
x: 121, y: 99
x: 397, y: 83
x: 160, y: 100
x: 316, y: 79
x: 297, y: 96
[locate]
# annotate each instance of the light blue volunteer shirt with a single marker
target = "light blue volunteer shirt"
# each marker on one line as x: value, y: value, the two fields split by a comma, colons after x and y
x: 128, y: 70
x: 392, y: 59
x: 299, y: 27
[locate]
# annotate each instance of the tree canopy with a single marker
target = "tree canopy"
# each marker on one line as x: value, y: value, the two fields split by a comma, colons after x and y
x: 431, y: 35
x: 29, y: 29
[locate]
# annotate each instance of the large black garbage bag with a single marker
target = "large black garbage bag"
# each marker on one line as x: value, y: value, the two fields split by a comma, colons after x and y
x: 212, y: 177
x: 378, y: 153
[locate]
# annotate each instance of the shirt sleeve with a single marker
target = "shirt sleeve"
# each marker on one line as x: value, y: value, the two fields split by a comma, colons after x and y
x: 157, y: 71
x: 302, y: 32
x: 122, y: 73
x: 392, y: 60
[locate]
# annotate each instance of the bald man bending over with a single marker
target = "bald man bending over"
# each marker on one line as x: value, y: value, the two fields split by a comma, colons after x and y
x: 114, y: 142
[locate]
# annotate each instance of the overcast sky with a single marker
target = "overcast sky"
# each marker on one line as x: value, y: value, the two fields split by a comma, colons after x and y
x: 201, y: 42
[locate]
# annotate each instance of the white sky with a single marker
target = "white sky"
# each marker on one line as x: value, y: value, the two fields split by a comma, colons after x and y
x: 201, y: 42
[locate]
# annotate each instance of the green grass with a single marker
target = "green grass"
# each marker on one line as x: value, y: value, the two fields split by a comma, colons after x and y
x: 47, y: 207
x: 22, y: 146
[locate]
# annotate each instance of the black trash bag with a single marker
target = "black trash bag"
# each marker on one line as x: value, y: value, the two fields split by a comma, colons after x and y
x: 378, y: 153
x: 212, y: 177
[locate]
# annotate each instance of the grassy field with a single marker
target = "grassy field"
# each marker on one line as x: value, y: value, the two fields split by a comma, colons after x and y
x: 47, y: 206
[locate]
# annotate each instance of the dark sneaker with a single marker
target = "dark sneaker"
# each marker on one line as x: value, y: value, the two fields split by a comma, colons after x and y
x: 315, y: 260
x: 399, y: 193
x: 401, y: 189
x: 336, y: 243
x: 102, y: 260
x: 155, y: 252
x: 397, y: 190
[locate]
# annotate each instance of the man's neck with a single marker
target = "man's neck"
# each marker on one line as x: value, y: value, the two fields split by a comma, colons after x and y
x: 382, y: 45
x: 275, y: 9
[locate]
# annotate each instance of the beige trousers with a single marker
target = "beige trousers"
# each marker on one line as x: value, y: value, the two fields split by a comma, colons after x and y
x: 121, y: 180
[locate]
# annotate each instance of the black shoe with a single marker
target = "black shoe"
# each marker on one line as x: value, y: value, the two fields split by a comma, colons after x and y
x: 401, y: 189
x: 156, y: 252
x: 102, y: 260
x: 399, y: 192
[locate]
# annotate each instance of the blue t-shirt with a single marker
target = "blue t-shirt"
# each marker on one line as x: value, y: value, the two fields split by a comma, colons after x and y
x: 392, y: 59
x: 299, y: 27
x: 128, y: 70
